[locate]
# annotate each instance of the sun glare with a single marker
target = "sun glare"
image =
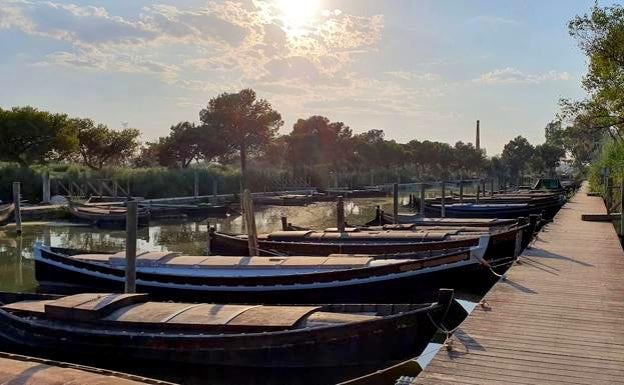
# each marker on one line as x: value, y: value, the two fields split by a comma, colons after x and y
x: 297, y: 14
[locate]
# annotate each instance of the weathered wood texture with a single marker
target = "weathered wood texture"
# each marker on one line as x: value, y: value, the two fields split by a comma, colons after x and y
x: 23, y: 370
x: 558, y: 317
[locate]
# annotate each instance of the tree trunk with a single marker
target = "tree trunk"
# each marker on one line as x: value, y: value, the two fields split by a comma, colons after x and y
x: 243, y: 162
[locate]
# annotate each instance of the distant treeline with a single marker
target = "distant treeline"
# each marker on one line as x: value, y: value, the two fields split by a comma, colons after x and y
x: 238, y: 128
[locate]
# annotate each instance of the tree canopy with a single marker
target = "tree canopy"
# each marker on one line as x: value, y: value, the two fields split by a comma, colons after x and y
x: 33, y: 136
x: 100, y: 146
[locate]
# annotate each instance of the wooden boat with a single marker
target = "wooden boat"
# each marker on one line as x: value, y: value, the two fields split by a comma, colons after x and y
x: 415, y: 219
x: 494, y: 210
x: 294, y: 279
x: 106, y: 216
x: 20, y: 369
x: 200, y: 210
x: 505, y: 244
x: 130, y: 326
x: 6, y: 211
x: 284, y: 200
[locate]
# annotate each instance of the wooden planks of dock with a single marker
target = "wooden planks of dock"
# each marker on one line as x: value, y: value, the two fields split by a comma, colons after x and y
x: 557, y: 319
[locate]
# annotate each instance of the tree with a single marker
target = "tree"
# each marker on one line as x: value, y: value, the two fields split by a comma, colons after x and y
x: 32, y: 136
x: 242, y: 123
x: 516, y: 155
x: 546, y: 157
x: 317, y: 141
x: 99, y: 145
x: 467, y: 159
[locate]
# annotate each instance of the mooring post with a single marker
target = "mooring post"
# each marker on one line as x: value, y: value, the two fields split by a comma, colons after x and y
x: 131, y: 239
x: 378, y: 215
x: 423, y: 188
x: 483, y: 187
x: 442, y: 203
x: 340, y: 214
x: 284, y: 223
x: 252, y: 233
x: 115, y: 188
x: 607, y: 197
x: 478, y: 192
x: 492, y: 187
x: 461, y: 191
x: 45, y: 178
x: 395, y: 203
x: 18, y: 211
x: 195, y: 184
x: 208, y: 238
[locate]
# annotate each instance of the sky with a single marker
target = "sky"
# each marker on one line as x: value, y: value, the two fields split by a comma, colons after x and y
x: 418, y: 69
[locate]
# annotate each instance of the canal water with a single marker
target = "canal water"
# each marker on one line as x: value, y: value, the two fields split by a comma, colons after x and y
x: 17, y: 272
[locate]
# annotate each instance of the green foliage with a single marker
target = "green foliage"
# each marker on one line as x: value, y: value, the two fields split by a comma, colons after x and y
x: 241, y: 122
x: 31, y: 136
x: 516, y: 156
x: 100, y: 146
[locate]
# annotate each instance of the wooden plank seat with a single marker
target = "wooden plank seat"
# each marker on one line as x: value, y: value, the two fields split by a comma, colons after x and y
x: 175, y: 260
x: 206, y: 316
x: 382, y: 236
x: 80, y: 307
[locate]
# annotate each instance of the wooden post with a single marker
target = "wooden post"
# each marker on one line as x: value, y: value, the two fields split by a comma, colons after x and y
x: 492, y: 187
x: 423, y: 189
x: 252, y: 233
x: 128, y: 187
x: 18, y: 210
x: 378, y: 217
x: 131, y: 239
x: 608, y: 195
x: 115, y: 188
x: 208, y: 238
x: 442, y: 205
x: 478, y: 192
x: 395, y: 203
x: 340, y: 214
x: 195, y: 184
x: 461, y: 191
x: 483, y: 187
x: 284, y: 223
x: 46, y: 187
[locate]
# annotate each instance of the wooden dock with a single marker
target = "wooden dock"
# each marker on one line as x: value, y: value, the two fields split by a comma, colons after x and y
x: 557, y: 319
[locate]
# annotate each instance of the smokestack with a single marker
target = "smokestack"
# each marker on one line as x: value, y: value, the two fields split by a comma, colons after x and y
x: 478, y: 140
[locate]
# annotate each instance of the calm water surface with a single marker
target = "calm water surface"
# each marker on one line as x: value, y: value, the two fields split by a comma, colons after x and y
x: 17, y: 273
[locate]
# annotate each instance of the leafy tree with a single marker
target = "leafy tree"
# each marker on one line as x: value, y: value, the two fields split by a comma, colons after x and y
x: 316, y: 141
x: 100, y: 146
x: 546, y: 157
x: 33, y: 136
x: 242, y: 123
x: 467, y: 159
x: 516, y: 155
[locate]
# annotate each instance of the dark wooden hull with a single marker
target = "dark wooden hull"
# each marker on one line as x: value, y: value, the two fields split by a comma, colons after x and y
x: 502, y: 245
x: 546, y: 210
x: 385, y: 339
x: 158, y: 211
x: 109, y: 220
x: 54, y: 270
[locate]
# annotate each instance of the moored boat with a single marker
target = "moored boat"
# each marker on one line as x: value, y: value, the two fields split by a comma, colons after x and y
x: 506, y: 243
x: 288, y: 279
x: 130, y: 326
x: 16, y: 368
x: 106, y: 216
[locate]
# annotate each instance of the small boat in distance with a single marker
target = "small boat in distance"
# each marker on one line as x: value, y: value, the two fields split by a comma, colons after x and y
x: 112, y: 327
x: 106, y: 216
x: 275, y: 279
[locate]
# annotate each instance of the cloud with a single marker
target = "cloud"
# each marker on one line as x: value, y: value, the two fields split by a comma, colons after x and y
x: 174, y: 43
x: 511, y: 75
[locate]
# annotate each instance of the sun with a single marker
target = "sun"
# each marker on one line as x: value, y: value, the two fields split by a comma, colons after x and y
x: 297, y: 15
